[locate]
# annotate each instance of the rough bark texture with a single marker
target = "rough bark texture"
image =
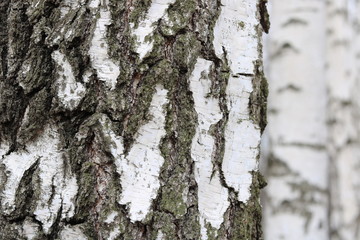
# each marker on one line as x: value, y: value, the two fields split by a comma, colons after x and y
x: 131, y: 119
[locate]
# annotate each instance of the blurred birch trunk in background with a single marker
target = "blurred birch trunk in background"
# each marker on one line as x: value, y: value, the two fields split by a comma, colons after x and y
x: 296, y: 203
x: 311, y: 147
x: 343, y: 69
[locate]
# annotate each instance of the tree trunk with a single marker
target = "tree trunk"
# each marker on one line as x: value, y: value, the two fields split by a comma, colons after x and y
x: 131, y: 119
x: 343, y: 118
x: 313, y: 137
x: 297, y: 171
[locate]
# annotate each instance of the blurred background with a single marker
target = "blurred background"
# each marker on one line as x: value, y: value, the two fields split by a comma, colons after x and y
x: 311, y: 146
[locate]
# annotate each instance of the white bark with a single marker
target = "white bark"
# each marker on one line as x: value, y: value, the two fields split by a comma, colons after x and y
x: 30, y: 229
x: 93, y: 173
x: 107, y: 70
x: 70, y: 92
x: 296, y: 140
x: 235, y: 36
x: 72, y: 233
x: 343, y: 146
x: 213, y: 197
x: 296, y: 196
x: 146, y: 27
x: 140, y: 168
x: 52, y: 174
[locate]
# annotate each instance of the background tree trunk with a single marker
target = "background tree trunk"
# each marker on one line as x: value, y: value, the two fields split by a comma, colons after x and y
x: 343, y: 118
x: 312, y: 141
x: 296, y: 199
x: 131, y: 119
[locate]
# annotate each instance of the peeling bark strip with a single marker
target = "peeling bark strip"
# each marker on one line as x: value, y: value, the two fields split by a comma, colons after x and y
x: 128, y: 119
x: 56, y: 189
x: 146, y: 27
x: 106, y: 69
x: 70, y: 92
x: 212, y: 196
x: 139, y: 169
x: 235, y: 39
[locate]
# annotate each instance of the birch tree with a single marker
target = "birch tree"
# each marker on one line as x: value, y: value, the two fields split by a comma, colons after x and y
x: 343, y: 118
x: 312, y: 142
x: 131, y: 119
x: 296, y: 201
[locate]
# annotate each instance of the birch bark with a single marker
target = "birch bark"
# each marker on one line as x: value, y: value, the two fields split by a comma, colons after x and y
x: 312, y: 97
x: 297, y: 193
x: 343, y: 117
x: 131, y: 119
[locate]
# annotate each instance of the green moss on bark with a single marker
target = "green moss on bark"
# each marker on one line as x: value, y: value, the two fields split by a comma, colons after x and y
x: 258, y: 98
x: 246, y: 218
x: 178, y: 40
